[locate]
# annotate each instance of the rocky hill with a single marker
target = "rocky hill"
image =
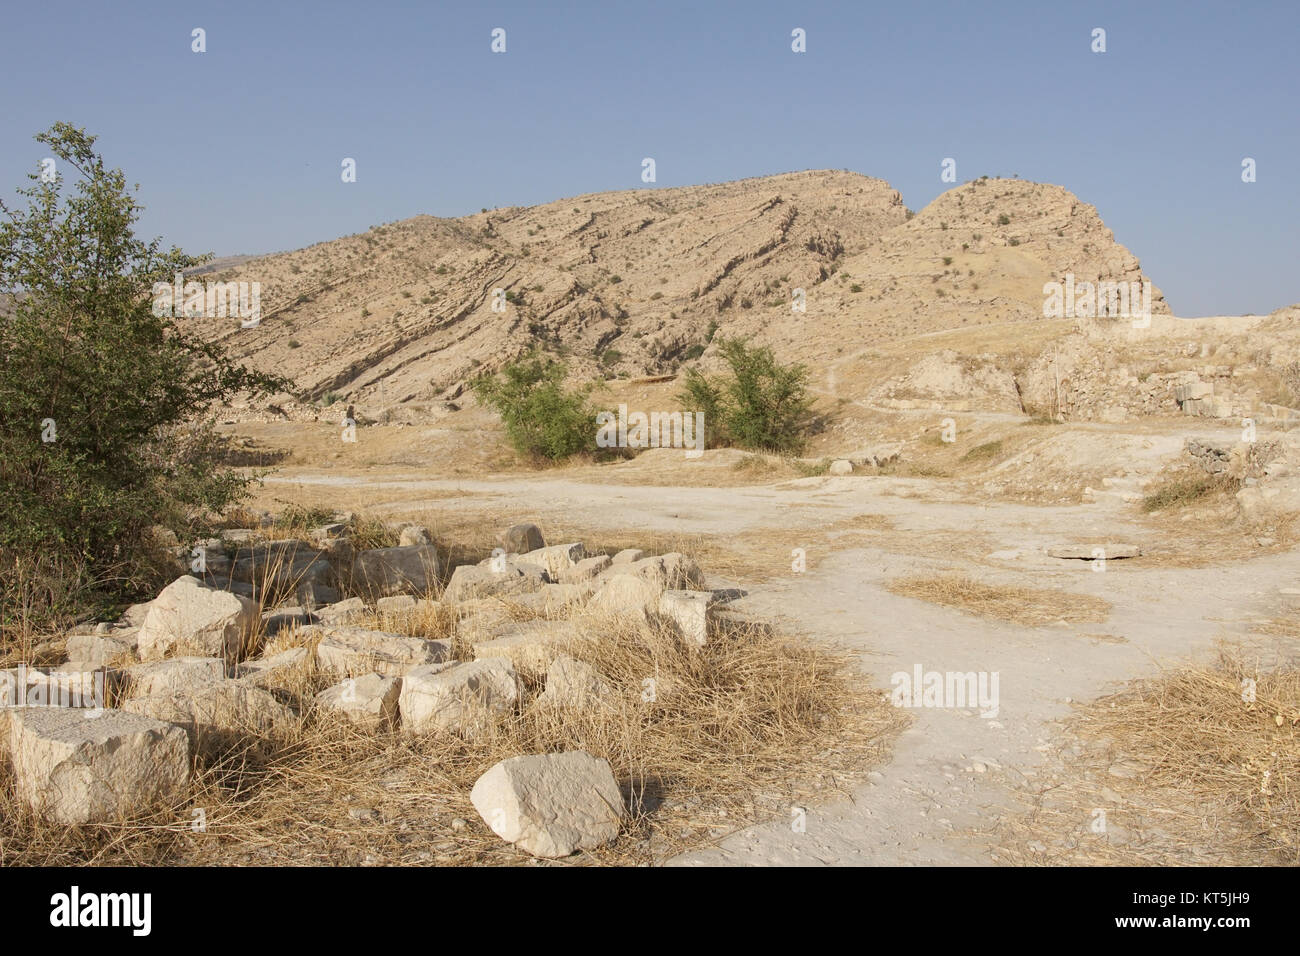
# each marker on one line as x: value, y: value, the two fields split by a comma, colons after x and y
x: 639, y: 282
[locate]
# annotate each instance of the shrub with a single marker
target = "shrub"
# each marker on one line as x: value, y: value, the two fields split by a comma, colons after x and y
x: 542, y: 419
x: 760, y: 404
x: 106, y: 405
x: 694, y: 352
x: 1004, y: 220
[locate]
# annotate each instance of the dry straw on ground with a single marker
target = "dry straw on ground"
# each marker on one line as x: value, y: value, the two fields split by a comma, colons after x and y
x: 1187, y: 768
x: 1029, y: 607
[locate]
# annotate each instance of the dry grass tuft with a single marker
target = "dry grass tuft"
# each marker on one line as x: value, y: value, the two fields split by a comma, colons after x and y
x: 1029, y: 607
x: 1187, y: 768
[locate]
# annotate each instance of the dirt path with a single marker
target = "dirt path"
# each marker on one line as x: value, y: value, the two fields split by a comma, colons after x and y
x: 953, y: 770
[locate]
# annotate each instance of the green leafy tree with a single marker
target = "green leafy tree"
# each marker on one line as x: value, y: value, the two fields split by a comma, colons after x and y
x: 542, y: 418
x: 761, y: 404
x: 102, y: 403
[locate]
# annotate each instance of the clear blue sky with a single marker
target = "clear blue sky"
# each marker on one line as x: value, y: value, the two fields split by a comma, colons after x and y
x: 238, y: 149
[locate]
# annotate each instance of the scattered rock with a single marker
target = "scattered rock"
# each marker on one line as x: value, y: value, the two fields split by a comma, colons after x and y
x: 551, y: 805
x: 571, y: 683
x: 466, y: 699
x: 77, y: 770
x: 352, y: 650
x: 412, y: 569
x: 689, y: 612
x: 189, y: 617
x: 841, y: 466
x: 369, y: 701
x: 522, y: 538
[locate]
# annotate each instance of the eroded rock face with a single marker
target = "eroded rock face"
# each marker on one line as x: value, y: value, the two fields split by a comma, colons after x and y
x: 551, y: 805
x: 189, y: 617
x: 80, y: 770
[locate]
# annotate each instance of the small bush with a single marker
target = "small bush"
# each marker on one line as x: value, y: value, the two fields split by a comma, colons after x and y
x: 1183, y: 490
x: 761, y: 404
x: 542, y: 419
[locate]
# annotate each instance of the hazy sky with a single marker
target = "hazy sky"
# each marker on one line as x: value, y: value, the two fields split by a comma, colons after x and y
x: 238, y: 149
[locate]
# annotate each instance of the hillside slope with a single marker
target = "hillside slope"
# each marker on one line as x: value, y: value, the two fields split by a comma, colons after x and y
x: 637, y: 282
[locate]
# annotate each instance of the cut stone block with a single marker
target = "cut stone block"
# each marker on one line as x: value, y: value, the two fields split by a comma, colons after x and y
x: 671, y: 570
x: 1084, y: 552
x: 551, y: 805
x: 689, y: 612
x: 286, y: 667
x: 96, y: 649
x: 189, y: 617
x: 350, y: 651
x: 344, y: 612
x: 402, y: 570
x: 530, y: 647
x: 627, y: 556
x: 175, y: 675
x: 466, y: 699
x: 522, y: 538
x: 414, y: 534
x: 626, y: 596
x: 214, y: 714
x: 369, y: 701
x: 571, y: 683
x: 469, y: 582
x: 555, y: 559
x: 80, y: 770
x: 584, y: 570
